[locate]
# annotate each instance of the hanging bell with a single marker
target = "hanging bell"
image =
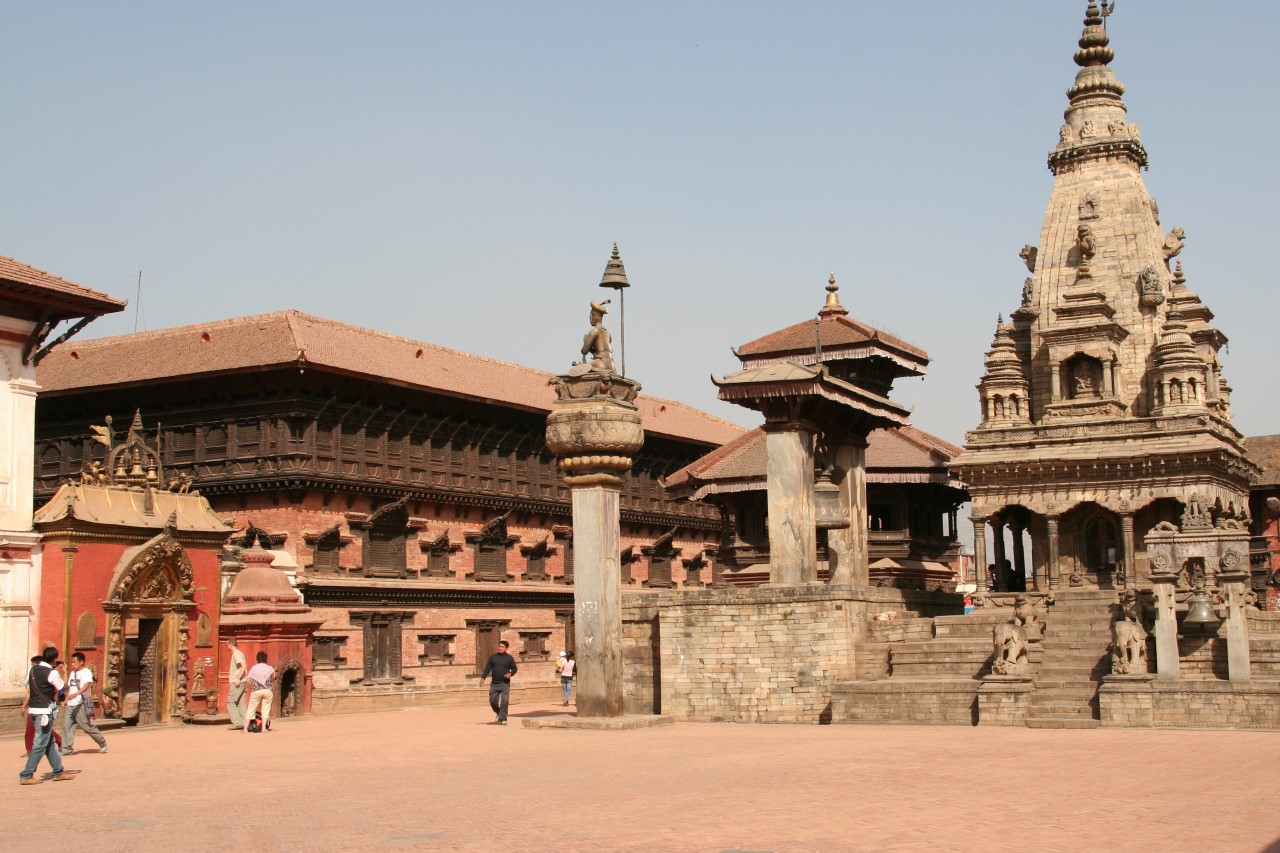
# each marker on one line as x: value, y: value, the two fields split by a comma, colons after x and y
x: 1200, y: 611
x: 827, y: 512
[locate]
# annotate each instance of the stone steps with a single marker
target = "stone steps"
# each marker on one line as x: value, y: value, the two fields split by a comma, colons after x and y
x: 1062, y: 723
x: 1076, y: 642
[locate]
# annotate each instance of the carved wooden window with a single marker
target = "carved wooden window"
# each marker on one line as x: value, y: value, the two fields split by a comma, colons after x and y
x: 535, y: 645
x: 568, y: 558
x: 536, y: 561
x: 385, y: 541
x: 382, y: 643
x: 327, y: 652
x: 436, y: 648
x: 565, y: 618
x: 489, y: 551
x: 182, y: 443
x: 438, y: 564
x: 625, y: 559
x: 51, y: 460
x: 693, y: 570
x: 327, y: 550
x: 215, y: 441
x: 349, y: 439
x: 248, y: 438
x: 324, y: 439
x: 661, y: 555
x: 488, y: 633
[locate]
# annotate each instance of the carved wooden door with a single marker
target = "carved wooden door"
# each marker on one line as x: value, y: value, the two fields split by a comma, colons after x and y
x: 148, y: 653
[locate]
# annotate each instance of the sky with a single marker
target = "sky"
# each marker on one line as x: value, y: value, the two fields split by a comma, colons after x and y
x: 457, y: 172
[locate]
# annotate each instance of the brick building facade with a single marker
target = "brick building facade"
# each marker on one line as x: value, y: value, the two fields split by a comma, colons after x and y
x: 407, y: 487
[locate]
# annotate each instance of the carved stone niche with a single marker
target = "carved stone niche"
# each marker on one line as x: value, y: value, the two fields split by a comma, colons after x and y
x: 489, y: 550
x: 438, y: 551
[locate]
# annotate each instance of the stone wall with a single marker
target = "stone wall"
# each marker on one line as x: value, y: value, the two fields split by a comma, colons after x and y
x: 1191, y: 704
x: 769, y: 654
x: 397, y: 697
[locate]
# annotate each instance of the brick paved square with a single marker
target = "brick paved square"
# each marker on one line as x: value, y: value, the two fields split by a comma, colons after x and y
x: 450, y: 780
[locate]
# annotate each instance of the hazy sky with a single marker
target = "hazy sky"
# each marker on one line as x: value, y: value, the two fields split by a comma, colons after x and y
x: 456, y: 172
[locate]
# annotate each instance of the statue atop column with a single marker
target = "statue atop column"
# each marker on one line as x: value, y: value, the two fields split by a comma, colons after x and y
x: 597, y: 345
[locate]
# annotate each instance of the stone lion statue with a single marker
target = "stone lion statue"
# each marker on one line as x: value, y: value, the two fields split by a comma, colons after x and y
x: 1173, y: 243
x: 1010, y: 641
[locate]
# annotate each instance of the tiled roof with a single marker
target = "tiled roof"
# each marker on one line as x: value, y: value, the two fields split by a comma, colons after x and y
x: 834, y: 331
x: 35, y: 284
x: 292, y: 338
x: 893, y: 455
x: 1265, y: 451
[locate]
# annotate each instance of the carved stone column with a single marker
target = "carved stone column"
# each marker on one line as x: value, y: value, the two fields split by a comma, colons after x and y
x: 1130, y: 554
x: 1052, y: 568
x: 849, y: 545
x: 997, y: 553
x: 594, y: 429
x: 1166, y: 627
x: 793, y: 539
x: 979, y: 551
x: 1233, y: 584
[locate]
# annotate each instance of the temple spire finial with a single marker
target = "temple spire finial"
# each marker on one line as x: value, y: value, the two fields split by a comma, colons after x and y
x: 832, y: 305
x: 615, y: 274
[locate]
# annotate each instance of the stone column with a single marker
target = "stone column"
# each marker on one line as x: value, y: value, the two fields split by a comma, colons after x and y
x: 979, y: 552
x: 997, y: 555
x: 793, y: 538
x: 594, y: 429
x: 849, y: 545
x: 1051, y: 570
x: 1130, y: 554
x: 1166, y: 627
x: 1233, y: 584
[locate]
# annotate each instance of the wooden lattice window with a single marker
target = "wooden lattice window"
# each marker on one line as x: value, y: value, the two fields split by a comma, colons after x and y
x: 489, y: 551
x: 661, y: 556
x: 326, y: 550
x: 535, y: 645
x: 326, y: 652
x: 183, y: 444
x: 565, y: 536
x: 51, y: 460
x: 249, y: 437
x: 386, y: 539
x: 436, y: 648
x: 438, y: 551
x: 536, y: 560
x: 215, y: 440
x: 349, y: 438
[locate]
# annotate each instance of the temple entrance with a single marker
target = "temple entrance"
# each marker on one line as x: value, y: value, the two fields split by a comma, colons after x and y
x: 289, y: 692
x: 148, y: 603
x: 1096, y: 547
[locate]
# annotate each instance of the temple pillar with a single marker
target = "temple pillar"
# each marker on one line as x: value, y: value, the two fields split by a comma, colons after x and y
x: 1166, y: 627
x: 849, y: 545
x: 979, y: 552
x: 793, y: 538
x: 594, y: 429
x: 1051, y: 568
x: 1233, y: 585
x: 1130, y: 555
x: 997, y: 553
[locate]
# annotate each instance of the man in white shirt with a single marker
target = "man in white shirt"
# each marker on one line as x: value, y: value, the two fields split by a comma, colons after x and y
x: 261, y: 695
x: 79, y: 699
x: 237, y: 671
x: 43, y: 684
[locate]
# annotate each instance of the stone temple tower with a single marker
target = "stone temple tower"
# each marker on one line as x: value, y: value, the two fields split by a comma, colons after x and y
x: 1104, y: 407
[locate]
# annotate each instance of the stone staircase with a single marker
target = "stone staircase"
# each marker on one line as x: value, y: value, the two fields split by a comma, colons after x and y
x: 1076, y: 655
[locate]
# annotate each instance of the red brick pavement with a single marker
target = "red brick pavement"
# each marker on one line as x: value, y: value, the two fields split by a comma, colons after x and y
x: 449, y: 780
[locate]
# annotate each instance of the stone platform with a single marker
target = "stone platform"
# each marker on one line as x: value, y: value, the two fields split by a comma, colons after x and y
x: 600, y: 724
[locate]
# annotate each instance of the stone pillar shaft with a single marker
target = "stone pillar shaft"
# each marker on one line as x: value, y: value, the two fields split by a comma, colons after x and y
x: 997, y: 555
x: 849, y: 545
x: 1019, y: 551
x: 1166, y: 628
x: 597, y: 601
x: 979, y: 552
x: 793, y: 540
x: 1239, y: 665
x: 1130, y: 554
x: 1052, y: 568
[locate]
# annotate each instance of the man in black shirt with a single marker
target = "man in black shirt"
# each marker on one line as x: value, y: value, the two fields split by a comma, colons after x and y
x: 501, y: 666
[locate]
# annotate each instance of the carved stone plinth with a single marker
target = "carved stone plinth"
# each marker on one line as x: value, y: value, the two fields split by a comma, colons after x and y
x: 594, y: 429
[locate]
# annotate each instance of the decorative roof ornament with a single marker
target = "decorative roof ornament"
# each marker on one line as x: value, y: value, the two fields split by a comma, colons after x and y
x: 615, y: 274
x: 832, y: 306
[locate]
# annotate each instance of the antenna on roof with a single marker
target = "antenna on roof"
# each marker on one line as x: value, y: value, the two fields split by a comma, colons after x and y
x: 137, y: 302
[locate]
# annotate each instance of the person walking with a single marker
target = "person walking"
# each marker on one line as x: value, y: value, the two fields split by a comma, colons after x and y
x: 79, y: 707
x: 260, y: 695
x: 567, y: 667
x: 501, y: 666
x: 237, y: 671
x: 43, y: 684
x: 30, y: 737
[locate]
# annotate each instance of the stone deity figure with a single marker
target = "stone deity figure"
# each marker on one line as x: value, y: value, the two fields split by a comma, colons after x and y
x: 597, y: 352
x: 1086, y: 248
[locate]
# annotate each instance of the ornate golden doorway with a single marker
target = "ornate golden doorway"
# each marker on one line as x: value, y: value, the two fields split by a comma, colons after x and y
x: 148, y: 604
